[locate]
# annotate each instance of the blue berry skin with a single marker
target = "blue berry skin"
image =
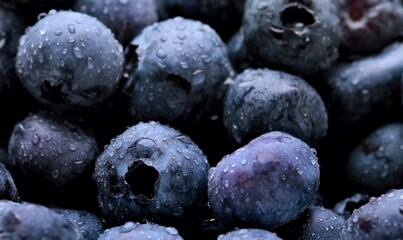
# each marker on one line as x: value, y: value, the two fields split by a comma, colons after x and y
x: 150, y: 171
x: 264, y: 184
x: 249, y: 234
x: 180, y: 73
x: 370, y: 25
x: 376, y: 164
x: 89, y: 224
x: 139, y: 231
x: 319, y: 223
x: 263, y: 100
x: 354, y: 89
x: 69, y: 60
x: 301, y: 37
x: 380, y: 218
x: 25, y: 220
x: 52, y: 148
x: 125, y: 18
x: 8, y: 189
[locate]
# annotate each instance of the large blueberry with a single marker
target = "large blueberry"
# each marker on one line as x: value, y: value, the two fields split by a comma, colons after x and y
x: 367, y: 84
x: 380, y: 218
x: 376, y: 163
x: 301, y: 37
x: 150, y: 172
x: 52, y: 148
x: 180, y: 69
x: 264, y: 184
x: 69, y: 60
x: 263, y: 100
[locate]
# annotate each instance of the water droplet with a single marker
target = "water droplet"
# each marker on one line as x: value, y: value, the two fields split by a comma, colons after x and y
x: 181, y: 36
x: 64, y: 51
x: 226, y: 183
x: 184, y: 65
x: 78, y: 53
x: 2, y: 42
x: 35, y: 139
x: 55, y: 173
x: 243, y: 161
x: 90, y: 63
x: 42, y: 32
x: 124, y: 2
x: 57, y: 32
x: 205, y: 58
x: 70, y: 40
x: 127, y: 227
x: 171, y: 230
x: 71, y: 28
x: 198, y: 77
x: 161, y: 53
x: 72, y: 147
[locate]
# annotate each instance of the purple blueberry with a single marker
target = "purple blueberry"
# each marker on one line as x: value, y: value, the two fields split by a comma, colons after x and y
x: 380, y: 218
x: 301, y: 37
x: 69, y: 60
x: 179, y: 73
x: 264, y: 184
x: 150, y: 172
x: 263, y: 100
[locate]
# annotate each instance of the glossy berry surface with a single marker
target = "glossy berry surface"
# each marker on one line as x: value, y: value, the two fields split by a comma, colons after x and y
x: 249, y: 233
x: 370, y: 25
x: 24, y: 220
x: 302, y: 37
x: 138, y: 231
x: 263, y: 100
x: 150, y: 171
x: 377, y: 219
x: 47, y: 146
x: 179, y: 74
x: 264, y: 184
x: 69, y: 60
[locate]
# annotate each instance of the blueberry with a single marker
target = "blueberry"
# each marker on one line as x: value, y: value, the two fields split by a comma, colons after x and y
x: 180, y: 73
x: 302, y: 37
x: 354, y: 89
x: 139, y: 231
x: 150, y: 171
x: 319, y: 223
x: 34, y: 221
x: 8, y: 189
x: 89, y: 224
x: 69, y: 60
x: 126, y: 18
x: 249, y: 233
x: 380, y: 218
x: 263, y: 100
x: 376, y: 164
x: 51, y: 147
x: 370, y: 25
x: 264, y: 184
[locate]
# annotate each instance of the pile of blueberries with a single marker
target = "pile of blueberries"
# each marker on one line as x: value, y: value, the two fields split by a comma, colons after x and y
x: 201, y: 119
